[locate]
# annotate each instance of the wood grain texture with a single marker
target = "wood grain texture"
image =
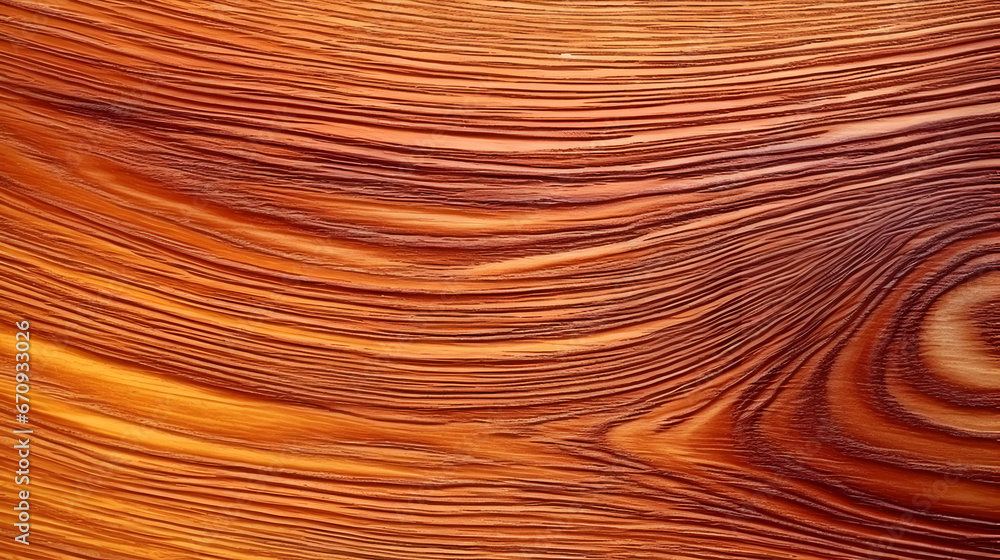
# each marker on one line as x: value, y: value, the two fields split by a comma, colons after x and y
x: 504, y: 279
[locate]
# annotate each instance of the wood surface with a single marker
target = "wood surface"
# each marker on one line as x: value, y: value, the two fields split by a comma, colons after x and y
x: 497, y: 280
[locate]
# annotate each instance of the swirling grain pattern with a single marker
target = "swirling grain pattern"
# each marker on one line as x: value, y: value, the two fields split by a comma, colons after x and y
x: 505, y: 279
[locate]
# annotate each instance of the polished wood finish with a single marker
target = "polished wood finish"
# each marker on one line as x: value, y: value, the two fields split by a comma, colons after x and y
x: 504, y: 280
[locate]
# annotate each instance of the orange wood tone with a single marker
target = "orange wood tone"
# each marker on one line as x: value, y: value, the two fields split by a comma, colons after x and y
x: 498, y: 280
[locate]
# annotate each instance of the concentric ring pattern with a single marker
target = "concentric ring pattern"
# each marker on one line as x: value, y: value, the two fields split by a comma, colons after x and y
x: 505, y: 279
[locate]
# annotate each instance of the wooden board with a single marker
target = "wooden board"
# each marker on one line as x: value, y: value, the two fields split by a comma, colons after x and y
x: 497, y: 280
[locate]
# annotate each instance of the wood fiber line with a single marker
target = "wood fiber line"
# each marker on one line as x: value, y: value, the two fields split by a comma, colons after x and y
x: 504, y: 280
